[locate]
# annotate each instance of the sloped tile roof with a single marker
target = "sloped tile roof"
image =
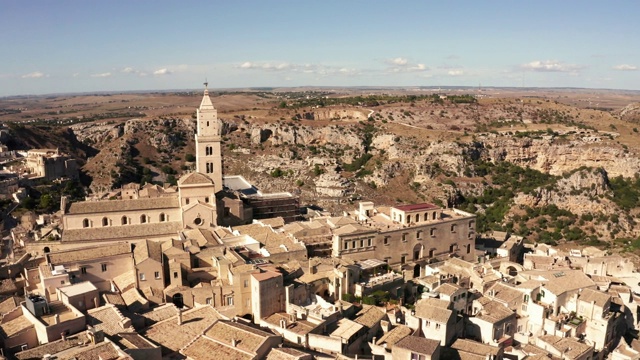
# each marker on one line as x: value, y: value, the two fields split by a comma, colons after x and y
x: 105, y: 206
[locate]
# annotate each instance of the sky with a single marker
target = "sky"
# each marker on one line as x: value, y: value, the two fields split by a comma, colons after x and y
x: 83, y: 46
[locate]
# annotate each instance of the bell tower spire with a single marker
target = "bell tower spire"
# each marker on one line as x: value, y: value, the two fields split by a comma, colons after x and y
x: 208, y: 137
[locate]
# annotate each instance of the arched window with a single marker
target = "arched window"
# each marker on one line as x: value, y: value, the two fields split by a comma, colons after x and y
x: 105, y: 221
x: 143, y: 219
x: 186, y: 201
x: 124, y: 220
x: 206, y: 199
x: 454, y: 227
x: 162, y: 217
x: 85, y: 223
x: 408, y: 219
x: 435, y: 215
x: 417, y: 217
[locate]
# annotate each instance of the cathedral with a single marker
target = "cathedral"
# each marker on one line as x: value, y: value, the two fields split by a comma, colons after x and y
x: 203, y: 199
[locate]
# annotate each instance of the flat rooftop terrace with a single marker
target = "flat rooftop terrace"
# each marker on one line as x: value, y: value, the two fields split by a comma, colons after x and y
x: 382, y: 219
x: 59, y: 309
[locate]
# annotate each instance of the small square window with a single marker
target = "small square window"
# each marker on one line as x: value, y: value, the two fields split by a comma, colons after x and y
x: 142, y: 277
x: 104, y: 267
x: 83, y: 270
x: 156, y: 274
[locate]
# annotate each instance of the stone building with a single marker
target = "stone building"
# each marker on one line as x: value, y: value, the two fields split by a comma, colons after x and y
x: 407, y: 234
x: 203, y: 199
x: 51, y: 164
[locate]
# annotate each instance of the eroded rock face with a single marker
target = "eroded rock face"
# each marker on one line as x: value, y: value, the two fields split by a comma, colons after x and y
x: 279, y: 134
x: 581, y: 193
x: 548, y: 156
x: 332, y: 184
x: 97, y: 132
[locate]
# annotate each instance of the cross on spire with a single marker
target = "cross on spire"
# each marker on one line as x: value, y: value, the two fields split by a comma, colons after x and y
x: 206, y: 83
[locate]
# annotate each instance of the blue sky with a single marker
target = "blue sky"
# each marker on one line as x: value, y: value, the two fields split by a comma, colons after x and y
x: 83, y: 46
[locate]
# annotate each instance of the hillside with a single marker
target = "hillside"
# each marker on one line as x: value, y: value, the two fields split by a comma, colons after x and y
x: 545, y: 166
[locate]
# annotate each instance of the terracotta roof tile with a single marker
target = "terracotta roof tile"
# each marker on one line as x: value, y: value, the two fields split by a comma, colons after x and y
x: 88, y: 253
x: 104, y: 206
x: 169, y: 228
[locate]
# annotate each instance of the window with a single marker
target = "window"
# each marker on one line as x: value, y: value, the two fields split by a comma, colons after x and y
x: 186, y: 201
x: 427, y: 323
x: 386, y: 240
x: 404, y: 237
x: 206, y: 199
x: 524, y: 307
x: 468, y: 249
x: 437, y: 326
x: 432, y: 232
x: 403, y: 259
x: 435, y: 215
x: 163, y: 217
x: 85, y: 223
x: 105, y: 221
x: 369, y: 242
x: 229, y: 300
x: 362, y: 243
x: 142, y: 277
x: 408, y: 219
x: 246, y: 283
x: 417, y: 217
x: 62, y: 282
x: 453, y: 228
x: 143, y: 219
x: 415, y: 356
x: 104, y: 267
x: 346, y: 245
x: 209, y: 301
x: 175, y: 274
x: 419, y: 235
x: 124, y: 220
x: 83, y: 269
x: 353, y: 244
x: 472, y: 224
x: 156, y: 274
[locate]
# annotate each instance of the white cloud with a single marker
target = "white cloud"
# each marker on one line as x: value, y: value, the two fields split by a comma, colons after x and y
x: 625, y: 67
x: 246, y: 65
x: 163, y: 71
x: 75, y: 74
x: 128, y: 70
x: 550, y: 66
x: 401, y: 64
x: 101, y: 75
x: 34, y: 75
x: 455, y: 72
x: 398, y: 61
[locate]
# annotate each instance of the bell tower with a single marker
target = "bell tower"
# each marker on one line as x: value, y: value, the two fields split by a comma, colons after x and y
x: 208, y: 137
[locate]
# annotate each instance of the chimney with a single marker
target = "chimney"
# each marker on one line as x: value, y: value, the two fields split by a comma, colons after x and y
x: 179, y: 317
x: 234, y: 342
x: 96, y: 302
